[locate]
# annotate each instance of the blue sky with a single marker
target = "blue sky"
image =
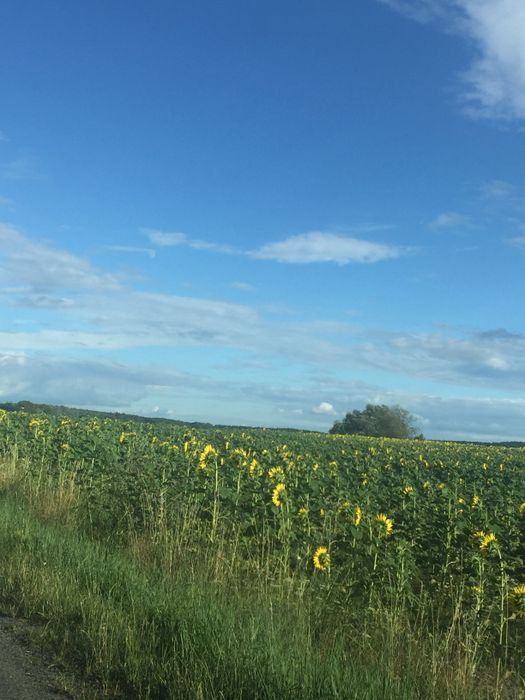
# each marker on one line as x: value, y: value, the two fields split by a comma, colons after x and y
x: 266, y: 213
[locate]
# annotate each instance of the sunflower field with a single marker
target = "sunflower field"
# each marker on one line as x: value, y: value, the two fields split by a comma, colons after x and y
x: 342, y: 520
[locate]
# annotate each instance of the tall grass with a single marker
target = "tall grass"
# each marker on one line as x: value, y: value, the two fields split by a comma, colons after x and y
x: 182, y: 611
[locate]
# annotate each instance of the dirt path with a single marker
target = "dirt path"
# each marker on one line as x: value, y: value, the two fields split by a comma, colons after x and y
x: 24, y: 674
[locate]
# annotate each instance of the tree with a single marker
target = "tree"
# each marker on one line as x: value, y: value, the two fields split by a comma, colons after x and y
x: 378, y: 421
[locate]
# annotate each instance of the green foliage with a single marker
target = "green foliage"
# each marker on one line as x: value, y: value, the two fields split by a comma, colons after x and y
x: 427, y: 535
x: 378, y: 421
x: 139, y: 635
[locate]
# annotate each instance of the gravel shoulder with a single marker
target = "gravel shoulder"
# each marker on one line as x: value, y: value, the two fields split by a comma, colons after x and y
x: 24, y: 673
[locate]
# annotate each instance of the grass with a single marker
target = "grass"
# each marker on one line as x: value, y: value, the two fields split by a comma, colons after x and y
x: 138, y: 635
x: 168, y: 613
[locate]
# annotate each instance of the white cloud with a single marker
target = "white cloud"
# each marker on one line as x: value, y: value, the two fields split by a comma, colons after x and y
x: 95, y: 311
x: 324, y: 408
x: 81, y: 311
x: 496, y: 362
x: 77, y: 382
x: 117, y: 386
x: 243, y: 286
x: 494, y: 358
x: 450, y: 219
x: 98, y: 313
x: 494, y: 83
x: 496, y: 78
x: 43, y: 268
x: 131, y: 249
x: 484, y: 419
x: 165, y: 239
x: 319, y: 246
x: 314, y: 246
x: 42, y: 301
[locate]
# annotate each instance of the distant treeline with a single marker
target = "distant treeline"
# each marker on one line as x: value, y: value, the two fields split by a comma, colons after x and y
x: 509, y: 443
x: 53, y: 410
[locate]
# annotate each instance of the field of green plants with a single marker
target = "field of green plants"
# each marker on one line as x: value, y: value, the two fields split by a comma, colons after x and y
x: 333, y: 566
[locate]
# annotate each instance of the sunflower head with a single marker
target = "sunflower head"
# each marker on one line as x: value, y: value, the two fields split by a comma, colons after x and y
x: 388, y: 523
x: 486, y: 541
x: 208, y: 453
x: 276, y: 474
x: 321, y: 559
x: 277, y: 493
x: 517, y: 597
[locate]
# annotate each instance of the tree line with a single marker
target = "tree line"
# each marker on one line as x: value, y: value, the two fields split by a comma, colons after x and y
x: 378, y: 421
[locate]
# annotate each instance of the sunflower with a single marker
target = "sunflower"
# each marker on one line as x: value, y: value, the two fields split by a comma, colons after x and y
x: 517, y: 596
x: 276, y: 495
x: 387, y: 522
x: 253, y: 467
x: 276, y: 474
x: 486, y: 541
x: 518, y: 592
x: 203, y: 459
x: 358, y: 514
x: 321, y: 559
x: 124, y: 436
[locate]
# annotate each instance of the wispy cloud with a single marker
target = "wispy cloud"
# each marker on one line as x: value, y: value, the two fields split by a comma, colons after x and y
x: 118, y: 386
x: 150, y: 252
x: 79, y: 310
x: 421, y: 10
x: 500, y: 189
x: 518, y: 241
x: 77, y: 382
x: 494, y: 358
x: 311, y: 247
x: 323, y: 247
x: 165, y: 239
x: 41, y: 301
x: 19, y: 169
x: 507, y: 197
x: 243, y: 286
x: 43, y: 268
x: 100, y: 311
x: 450, y: 220
x: 494, y: 83
x: 496, y: 78
x: 3, y: 137
x: 469, y: 418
